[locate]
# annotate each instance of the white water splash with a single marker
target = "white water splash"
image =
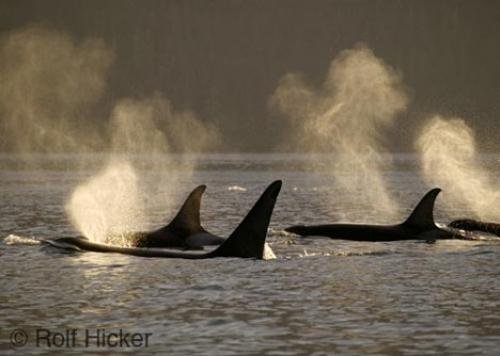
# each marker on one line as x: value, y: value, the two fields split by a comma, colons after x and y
x: 268, y: 252
x: 20, y: 240
x: 236, y: 188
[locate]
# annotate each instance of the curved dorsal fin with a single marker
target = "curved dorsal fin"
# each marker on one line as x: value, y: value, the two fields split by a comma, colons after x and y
x: 249, y: 238
x: 188, y: 217
x: 422, y: 216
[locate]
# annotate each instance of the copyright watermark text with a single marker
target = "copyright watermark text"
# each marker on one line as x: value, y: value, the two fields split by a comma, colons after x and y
x: 73, y: 338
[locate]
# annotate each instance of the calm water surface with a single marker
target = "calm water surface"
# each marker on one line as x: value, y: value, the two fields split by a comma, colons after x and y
x: 318, y: 297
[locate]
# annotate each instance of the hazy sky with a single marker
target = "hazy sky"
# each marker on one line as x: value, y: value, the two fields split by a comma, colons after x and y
x: 224, y: 59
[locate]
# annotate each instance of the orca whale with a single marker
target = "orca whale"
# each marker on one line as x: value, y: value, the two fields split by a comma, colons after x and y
x: 184, y: 231
x: 420, y: 225
x: 476, y: 225
x: 247, y: 240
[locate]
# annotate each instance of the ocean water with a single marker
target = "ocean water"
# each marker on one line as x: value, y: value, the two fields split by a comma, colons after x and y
x: 317, y: 297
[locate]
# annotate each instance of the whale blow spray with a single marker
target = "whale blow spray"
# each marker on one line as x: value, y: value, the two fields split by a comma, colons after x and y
x: 360, y: 97
x: 449, y: 159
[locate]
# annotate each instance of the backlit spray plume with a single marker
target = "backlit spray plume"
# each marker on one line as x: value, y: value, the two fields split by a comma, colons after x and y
x: 359, y: 98
x: 152, y: 125
x: 139, y: 167
x: 108, y: 204
x: 49, y: 87
x: 449, y: 160
x: 49, y: 84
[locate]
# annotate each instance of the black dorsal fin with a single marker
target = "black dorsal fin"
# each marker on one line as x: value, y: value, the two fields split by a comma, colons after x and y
x: 248, y: 239
x: 422, y: 216
x: 187, y: 219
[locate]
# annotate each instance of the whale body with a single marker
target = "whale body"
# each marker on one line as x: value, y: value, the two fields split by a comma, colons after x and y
x: 476, y: 225
x: 247, y: 240
x: 419, y: 225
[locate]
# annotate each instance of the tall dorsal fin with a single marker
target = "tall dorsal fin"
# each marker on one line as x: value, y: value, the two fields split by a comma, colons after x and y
x: 422, y: 216
x: 188, y: 218
x: 249, y: 238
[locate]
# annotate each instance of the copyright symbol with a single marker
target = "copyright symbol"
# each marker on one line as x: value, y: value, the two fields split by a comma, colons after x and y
x: 18, y: 338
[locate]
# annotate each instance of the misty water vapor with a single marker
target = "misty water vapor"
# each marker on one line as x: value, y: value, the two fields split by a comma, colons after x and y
x: 152, y: 124
x: 449, y: 160
x: 360, y: 97
x: 113, y: 202
x: 50, y: 86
